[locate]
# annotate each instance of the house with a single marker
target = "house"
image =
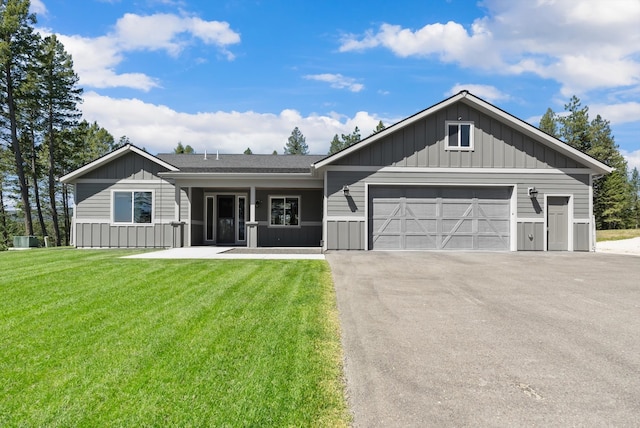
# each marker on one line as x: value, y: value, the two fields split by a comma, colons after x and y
x: 460, y: 175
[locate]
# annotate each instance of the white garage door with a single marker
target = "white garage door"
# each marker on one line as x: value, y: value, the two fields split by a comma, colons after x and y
x: 439, y: 218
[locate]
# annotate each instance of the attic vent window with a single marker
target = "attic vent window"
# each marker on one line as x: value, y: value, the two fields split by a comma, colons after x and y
x: 459, y: 136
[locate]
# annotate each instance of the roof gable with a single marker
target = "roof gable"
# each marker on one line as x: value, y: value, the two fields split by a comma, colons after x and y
x: 535, y: 148
x: 110, y: 157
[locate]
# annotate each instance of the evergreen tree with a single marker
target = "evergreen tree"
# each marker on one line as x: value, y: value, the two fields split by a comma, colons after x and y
x: 88, y: 142
x: 379, y: 127
x: 275, y: 152
x: 549, y: 123
x: 180, y: 149
x: 347, y: 140
x: 18, y: 43
x: 336, y: 145
x: 248, y: 151
x: 123, y: 141
x: 574, y: 127
x: 60, y: 96
x: 296, y: 144
x: 635, y: 198
x: 613, y: 193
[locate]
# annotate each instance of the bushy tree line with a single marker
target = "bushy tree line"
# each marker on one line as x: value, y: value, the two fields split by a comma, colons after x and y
x: 615, y: 196
x: 41, y: 137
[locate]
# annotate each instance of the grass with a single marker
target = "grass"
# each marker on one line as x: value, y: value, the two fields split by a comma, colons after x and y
x: 90, y: 339
x: 616, y: 234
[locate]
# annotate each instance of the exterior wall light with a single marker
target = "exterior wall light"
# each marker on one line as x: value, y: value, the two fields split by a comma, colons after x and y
x: 345, y: 190
x: 532, y: 192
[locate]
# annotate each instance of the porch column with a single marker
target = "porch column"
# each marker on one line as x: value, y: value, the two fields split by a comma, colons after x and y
x: 252, y: 224
x: 177, y: 226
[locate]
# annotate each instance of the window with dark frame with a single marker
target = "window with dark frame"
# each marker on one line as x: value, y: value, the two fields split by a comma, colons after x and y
x: 132, y: 207
x: 285, y: 211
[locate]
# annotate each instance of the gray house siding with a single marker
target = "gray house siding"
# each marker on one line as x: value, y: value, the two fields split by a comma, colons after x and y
x: 421, y: 144
x: 346, y: 216
x: 93, y: 206
x: 309, y: 234
x: 129, y: 166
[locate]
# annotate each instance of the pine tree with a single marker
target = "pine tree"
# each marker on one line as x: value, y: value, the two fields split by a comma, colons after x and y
x: 613, y: 193
x: 248, y: 151
x: 635, y: 198
x: 60, y: 95
x: 347, y: 140
x: 296, y: 144
x: 549, y: 123
x: 17, y: 44
x: 574, y: 127
x: 336, y: 145
x: 379, y: 127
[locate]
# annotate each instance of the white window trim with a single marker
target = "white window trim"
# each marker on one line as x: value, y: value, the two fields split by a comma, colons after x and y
x: 131, y: 223
x: 295, y: 226
x: 458, y: 148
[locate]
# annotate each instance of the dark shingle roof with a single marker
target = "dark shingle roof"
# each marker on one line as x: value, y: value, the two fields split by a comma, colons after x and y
x: 241, y: 163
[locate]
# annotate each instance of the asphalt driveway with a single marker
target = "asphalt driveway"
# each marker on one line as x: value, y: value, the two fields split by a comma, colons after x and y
x: 505, y: 339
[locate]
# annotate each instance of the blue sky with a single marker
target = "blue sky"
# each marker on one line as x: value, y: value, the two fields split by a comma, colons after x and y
x: 227, y: 75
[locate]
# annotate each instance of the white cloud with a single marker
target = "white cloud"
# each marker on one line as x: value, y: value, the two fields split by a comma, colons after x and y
x: 96, y: 59
x: 161, y: 32
x: 633, y: 159
x: 337, y: 81
x: 487, y: 92
x: 617, y: 113
x: 583, y: 44
x: 38, y: 7
x: 159, y: 128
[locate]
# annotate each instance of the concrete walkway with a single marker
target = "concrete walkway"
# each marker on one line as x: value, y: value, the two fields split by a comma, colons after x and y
x: 232, y: 253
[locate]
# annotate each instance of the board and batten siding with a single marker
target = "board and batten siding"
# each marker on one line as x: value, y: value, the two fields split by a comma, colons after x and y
x: 496, y: 145
x: 346, y: 216
x: 130, y: 166
x: 93, y: 206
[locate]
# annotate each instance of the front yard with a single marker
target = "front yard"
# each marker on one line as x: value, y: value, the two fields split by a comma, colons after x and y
x: 89, y: 339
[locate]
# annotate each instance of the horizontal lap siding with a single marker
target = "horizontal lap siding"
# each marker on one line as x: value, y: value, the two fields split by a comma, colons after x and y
x: 93, y: 206
x: 340, y: 206
x: 93, y: 200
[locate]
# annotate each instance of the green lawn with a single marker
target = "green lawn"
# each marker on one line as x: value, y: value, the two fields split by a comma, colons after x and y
x: 616, y: 234
x: 90, y: 339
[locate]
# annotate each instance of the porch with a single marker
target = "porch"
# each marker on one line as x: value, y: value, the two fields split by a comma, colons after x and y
x: 248, y: 217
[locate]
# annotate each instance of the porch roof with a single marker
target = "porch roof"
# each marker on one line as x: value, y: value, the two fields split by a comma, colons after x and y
x: 227, y: 163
